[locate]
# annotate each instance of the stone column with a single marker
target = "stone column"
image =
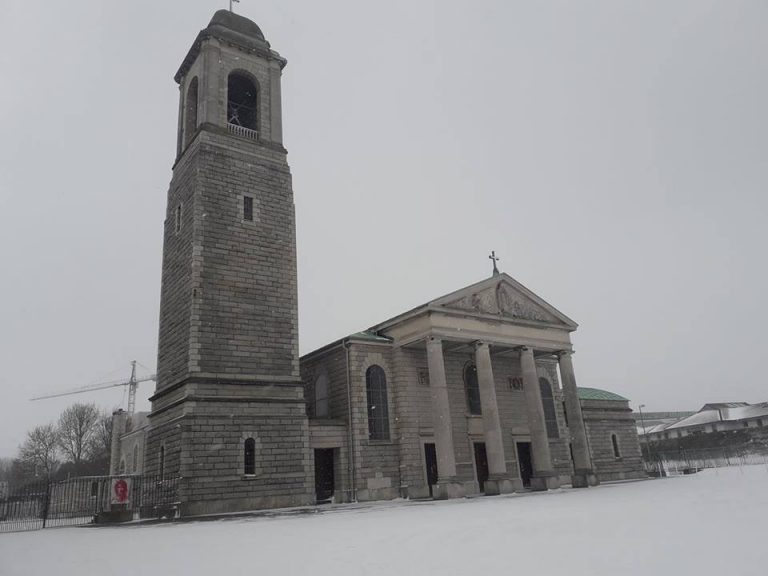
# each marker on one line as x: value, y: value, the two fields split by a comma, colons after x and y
x: 498, y: 481
x: 543, y: 477
x: 447, y: 483
x: 210, y: 86
x: 583, y: 475
x: 275, y: 103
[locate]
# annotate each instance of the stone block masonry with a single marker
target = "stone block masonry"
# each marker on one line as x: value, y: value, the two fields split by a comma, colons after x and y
x: 229, y: 414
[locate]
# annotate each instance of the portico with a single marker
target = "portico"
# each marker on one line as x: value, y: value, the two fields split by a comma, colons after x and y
x: 507, y: 333
x: 472, y: 393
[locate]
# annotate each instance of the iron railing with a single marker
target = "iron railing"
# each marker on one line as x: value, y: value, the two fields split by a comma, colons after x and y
x: 666, y: 462
x: 85, y: 500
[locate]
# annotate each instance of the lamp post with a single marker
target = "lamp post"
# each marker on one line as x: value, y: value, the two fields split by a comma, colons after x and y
x: 645, y: 432
x: 642, y: 421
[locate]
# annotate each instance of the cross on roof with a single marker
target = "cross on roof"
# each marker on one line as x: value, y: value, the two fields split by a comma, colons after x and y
x: 495, y: 259
x: 230, y: 4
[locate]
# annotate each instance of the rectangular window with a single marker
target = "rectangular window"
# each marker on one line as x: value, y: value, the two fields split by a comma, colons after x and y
x: 177, y: 219
x: 248, y: 208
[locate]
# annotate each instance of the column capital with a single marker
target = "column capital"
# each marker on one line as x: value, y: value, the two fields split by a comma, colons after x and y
x: 561, y: 353
x: 435, y: 339
x: 523, y: 348
x: 480, y: 344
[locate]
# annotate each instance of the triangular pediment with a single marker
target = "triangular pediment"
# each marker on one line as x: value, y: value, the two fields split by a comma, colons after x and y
x: 503, y: 296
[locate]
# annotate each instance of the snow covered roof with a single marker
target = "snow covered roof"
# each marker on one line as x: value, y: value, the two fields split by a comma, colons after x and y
x: 720, y: 412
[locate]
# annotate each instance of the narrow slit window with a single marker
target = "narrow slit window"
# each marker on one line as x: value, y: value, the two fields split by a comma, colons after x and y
x: 177, y: 219
x: 248, y: 208
x: 249, y: 453
x: 615, y: 442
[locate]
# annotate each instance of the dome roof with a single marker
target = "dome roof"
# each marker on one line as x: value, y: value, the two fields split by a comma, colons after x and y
x: 236, y: 23
x: 597, y: 394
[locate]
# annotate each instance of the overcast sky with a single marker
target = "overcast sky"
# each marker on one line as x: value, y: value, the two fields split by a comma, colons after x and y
x: 613, y: 153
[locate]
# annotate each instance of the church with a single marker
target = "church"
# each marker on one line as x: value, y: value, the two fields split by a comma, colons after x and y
x: 471, y: 393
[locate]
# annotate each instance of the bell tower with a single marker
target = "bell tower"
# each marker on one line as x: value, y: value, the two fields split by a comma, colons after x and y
x: 228, y: 413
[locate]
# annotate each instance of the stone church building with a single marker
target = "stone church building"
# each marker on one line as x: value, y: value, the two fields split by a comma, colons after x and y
x: 471, y: 393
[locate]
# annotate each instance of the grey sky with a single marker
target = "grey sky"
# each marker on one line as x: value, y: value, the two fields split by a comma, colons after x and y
x: 614, y: 154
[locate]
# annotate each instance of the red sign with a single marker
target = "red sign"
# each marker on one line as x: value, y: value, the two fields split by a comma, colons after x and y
x: 121, y: 490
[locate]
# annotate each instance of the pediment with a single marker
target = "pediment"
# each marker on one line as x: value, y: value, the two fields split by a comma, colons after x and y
x: 505, y: 297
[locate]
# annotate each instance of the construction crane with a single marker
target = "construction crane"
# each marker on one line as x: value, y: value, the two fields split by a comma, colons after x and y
x: 132, y: 383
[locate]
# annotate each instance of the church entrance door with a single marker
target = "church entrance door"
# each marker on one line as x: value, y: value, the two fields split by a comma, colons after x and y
x: 430, y: 458
x: 525, y: 462
x: 481, y: 464
x: 324, y: 481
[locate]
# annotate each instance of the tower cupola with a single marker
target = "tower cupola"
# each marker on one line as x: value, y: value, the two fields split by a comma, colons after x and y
x: 230, y: 79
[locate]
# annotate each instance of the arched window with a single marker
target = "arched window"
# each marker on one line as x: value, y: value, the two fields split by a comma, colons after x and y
x: 378, y: 409
x: 135, y: 458
x: 249, y: 456
x: 190, y: 112
x: 615, y: 442
x: 473, y: 389
x: 242, y: 101
x: 162, y: 462
x: 321, y: 397
x: 550, y: 414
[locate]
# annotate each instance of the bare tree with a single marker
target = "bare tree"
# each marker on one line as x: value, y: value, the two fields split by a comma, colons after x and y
x: 77, y: 425
x: 101, y: 441
x: 6, y: 469
x: 40, y: 450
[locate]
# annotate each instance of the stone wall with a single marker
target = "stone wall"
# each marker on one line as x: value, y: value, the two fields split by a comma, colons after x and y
x: 377, y: 462
x: 228, y: 348
x: 396, y: 467
x: 602, y: 419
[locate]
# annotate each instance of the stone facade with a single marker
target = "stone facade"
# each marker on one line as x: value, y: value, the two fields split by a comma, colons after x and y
x: 228, y: 366
x: 604, y: 420
x: 470, y: 393
x: 397, y: 468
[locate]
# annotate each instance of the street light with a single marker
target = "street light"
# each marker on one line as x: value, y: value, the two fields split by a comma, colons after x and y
x: 642, y: 422
x: 645, y: 432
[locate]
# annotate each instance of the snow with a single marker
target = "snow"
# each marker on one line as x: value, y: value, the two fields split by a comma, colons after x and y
x: 713, y: 522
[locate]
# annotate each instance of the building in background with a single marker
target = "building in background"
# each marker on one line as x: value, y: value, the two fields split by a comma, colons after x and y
x: 717, y: 417
x: 129, y: 433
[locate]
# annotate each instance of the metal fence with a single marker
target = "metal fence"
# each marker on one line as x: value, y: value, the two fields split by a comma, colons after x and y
x: 666, y: 463
x: 86, y: 500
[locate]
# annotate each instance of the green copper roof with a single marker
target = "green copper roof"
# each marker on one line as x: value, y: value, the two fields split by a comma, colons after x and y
x: 597, y: 394
x: 367, y: 335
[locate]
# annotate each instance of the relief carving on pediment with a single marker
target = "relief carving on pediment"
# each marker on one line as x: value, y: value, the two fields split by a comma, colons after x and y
x: 500, y: 301
x: 516, y: 308
x: 482, y: 302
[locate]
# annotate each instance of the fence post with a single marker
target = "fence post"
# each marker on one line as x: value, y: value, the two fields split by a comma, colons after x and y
x: 47, y: 501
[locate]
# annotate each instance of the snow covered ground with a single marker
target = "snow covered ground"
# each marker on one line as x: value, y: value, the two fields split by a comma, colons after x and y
x: 714, y: 522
